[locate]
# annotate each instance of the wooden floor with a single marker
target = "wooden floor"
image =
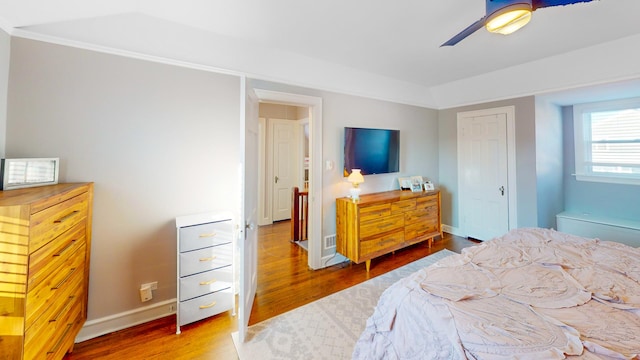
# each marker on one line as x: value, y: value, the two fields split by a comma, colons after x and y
x: 284, y: 283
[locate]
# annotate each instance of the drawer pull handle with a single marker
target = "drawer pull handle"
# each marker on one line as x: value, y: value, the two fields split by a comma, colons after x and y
x: 66, y: 217
x: 213, y: 234
x: 64, y: 280
x: 208, y: 282
x: 63, y: 310
x: 55, y: 348
x: 208, y: 306
x: 69, y: 246
x: 208, y: 259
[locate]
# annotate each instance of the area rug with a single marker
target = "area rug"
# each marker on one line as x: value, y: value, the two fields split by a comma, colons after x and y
x: 327, y: 328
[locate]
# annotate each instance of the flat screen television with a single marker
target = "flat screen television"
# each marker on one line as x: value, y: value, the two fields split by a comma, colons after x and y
x: 374, y: 151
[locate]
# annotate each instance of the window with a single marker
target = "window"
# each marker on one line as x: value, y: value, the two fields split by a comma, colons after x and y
x: 607, y: 141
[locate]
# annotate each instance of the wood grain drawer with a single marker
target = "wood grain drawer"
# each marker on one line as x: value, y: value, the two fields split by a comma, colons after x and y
x: 46, y: 332
x: 210, y: 258
x: 49, y: 223
x: 54, y: 287
x: 50, y: 257
x: 417, y: 216
x: 426, y: 227
x: 381, y: 245
x: 205, y: 235
x: 427, y: 201
x: 207, y: 282
x: 374, y: 212
x: 403, y: 206
x: 205, y: 306
x: 376, y: 227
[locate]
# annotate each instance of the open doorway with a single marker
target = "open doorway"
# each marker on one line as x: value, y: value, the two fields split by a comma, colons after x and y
x: 314, y: 109
x: 284, y: 166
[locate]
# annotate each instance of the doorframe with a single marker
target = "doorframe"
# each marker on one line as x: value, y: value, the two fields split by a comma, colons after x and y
x: 315, y: 164
x: 511, y: 161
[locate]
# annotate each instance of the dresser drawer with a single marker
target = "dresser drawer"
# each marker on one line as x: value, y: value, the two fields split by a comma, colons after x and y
x: 427, y: 201
x: 403, y: 206
x: 197, y: 261
x: 382, y: 225
x: 49, y: 223
x: 49, y: 329
x: 50, y: 257
x: 52, y: 289
x: 204, y: 235
x: 381, y: 245
x: 424, y: 228
x: 207, y: 282
x: 374, y: 212
x: 205, y: 306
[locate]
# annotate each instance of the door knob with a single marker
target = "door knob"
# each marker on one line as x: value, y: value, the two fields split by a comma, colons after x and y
x: 501, y: 188
x: 249, y: 226
x: 276, y: 179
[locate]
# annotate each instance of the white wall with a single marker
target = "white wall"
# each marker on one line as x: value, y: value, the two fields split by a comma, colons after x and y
x: 5, y: 50
x: 159, y: 141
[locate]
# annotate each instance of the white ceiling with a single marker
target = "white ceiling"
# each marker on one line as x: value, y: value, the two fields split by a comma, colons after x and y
x: 350, y: 46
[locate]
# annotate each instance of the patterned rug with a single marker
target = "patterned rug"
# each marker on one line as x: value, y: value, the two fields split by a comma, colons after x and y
x: 327, y: 328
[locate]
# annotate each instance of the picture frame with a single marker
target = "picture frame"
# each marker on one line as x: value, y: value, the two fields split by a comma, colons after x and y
x: 22, y: 173
x: 404, y: 183
x: 428, y: 186
x: 416, y: 183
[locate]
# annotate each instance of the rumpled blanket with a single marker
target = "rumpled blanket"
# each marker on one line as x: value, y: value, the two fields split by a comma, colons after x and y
x: 530, y: 294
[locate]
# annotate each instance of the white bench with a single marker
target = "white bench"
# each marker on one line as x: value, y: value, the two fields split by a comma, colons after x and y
x: 601, y: 227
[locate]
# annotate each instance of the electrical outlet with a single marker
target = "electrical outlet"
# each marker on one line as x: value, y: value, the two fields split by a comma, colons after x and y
x: 145, y: 293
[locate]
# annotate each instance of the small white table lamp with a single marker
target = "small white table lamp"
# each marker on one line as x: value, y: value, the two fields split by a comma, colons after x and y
x: 356, y: 179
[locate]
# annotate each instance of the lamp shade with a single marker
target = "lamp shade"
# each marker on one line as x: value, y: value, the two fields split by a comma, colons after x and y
x: 509, y: 18
x: 355, y: 177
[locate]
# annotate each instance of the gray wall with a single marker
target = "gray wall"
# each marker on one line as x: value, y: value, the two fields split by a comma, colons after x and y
x: 159, y: 141
x: 601, y: 199
x: 525, y: 159
x: 5, y: 51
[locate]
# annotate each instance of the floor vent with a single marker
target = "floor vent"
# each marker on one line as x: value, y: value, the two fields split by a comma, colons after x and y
x: 330, y: 241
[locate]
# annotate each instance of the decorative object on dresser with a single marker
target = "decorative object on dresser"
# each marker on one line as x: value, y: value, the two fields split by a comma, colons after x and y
x: 205, y: 267
x: 355, y: 178
x: 45, y: 244
x: 22, y: 173
x: 384, y: 222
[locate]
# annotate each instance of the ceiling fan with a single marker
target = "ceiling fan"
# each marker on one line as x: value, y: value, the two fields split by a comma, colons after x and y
x: 507, y: 16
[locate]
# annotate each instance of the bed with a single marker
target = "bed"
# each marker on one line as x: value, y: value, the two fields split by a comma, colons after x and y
x: 530, y: 294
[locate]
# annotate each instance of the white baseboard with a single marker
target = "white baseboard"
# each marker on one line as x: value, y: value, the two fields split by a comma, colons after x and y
x: 452, y: 230
x: 111, y: 323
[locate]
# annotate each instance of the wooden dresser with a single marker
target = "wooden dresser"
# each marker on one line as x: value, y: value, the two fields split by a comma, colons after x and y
x: 380, y: 223
x: 45, y: 242
x: 205, y: 267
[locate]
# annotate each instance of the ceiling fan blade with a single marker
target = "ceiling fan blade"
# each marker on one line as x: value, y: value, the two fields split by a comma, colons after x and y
x: 464, y: 33
x: 536, y: 4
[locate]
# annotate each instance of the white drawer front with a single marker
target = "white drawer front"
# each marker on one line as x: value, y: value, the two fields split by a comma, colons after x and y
x: 197, y: 261
x: 204, y: 235
x: 206, y: 282
x: 205, y: 306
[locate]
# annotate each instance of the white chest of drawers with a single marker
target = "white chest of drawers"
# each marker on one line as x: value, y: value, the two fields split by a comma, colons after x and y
x: 205, y: 246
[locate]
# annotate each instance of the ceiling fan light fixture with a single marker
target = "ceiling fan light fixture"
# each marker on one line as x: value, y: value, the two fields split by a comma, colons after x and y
x: 509, y: 19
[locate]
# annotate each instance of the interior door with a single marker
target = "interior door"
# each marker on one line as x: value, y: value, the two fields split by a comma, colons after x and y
x: 284, y: 155
x: 484, y: 175
x: 249, y: 213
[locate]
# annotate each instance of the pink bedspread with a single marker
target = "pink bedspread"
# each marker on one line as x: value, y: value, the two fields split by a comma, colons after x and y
x: 530, y: 294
